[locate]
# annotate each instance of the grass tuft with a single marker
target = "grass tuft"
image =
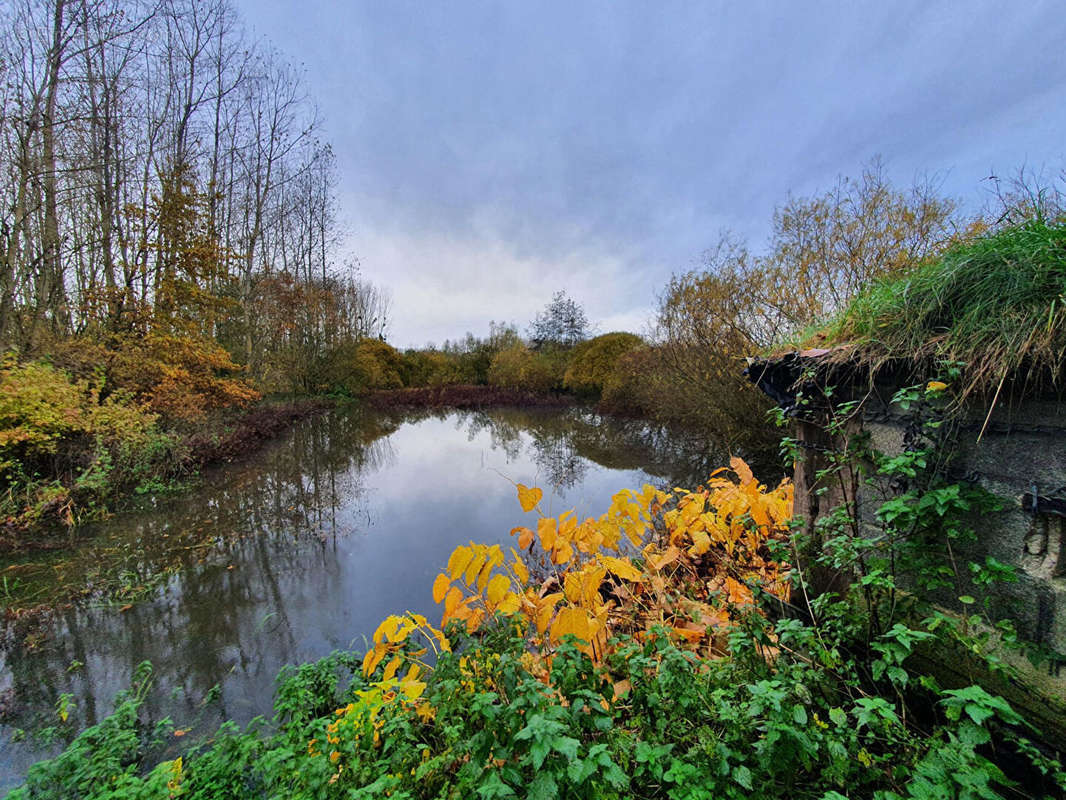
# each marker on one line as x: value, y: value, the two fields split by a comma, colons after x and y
x: 995, y: 305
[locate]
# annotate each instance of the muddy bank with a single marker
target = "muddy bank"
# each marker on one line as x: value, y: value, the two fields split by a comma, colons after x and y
x: 464, y: 397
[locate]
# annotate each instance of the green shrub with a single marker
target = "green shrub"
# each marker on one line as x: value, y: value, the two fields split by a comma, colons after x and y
x: 429, y: 368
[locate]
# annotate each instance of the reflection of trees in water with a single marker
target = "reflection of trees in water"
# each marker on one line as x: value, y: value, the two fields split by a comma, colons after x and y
x: 182, y: 631
x: 504, y: 434
x: 558, y: 464
x: 253, y: 535
x: 562, y: 444
x: 557, y: 460
x: 675, y: 457
x: 293, y: 487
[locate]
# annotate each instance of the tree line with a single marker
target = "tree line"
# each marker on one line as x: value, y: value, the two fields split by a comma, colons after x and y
x: 165, y: 174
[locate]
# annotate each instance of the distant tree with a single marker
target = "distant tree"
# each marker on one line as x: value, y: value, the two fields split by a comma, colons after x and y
x: 562, y: 323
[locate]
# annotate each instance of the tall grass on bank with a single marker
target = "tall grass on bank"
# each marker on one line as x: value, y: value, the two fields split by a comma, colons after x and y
x: 995, y: 305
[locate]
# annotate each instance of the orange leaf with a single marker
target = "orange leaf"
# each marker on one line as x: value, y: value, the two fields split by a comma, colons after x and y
x: 690, y: 635
x: 525, y: 537
x: 451, y: 602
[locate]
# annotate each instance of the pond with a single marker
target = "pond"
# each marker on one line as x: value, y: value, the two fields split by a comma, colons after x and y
x: 302, y: 550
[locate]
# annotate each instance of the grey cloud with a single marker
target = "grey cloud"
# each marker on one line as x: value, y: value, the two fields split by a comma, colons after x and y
x: 623, y: 136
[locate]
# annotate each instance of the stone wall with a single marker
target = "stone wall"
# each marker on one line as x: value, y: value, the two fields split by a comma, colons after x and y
x: 1021, y: 453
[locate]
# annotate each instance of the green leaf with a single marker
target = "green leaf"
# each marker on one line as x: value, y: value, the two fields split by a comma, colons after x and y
x: 742, y: 775
x: 578, y: 771
x: 543, y: 787
x: 494, y: 787
x: 566, y: 747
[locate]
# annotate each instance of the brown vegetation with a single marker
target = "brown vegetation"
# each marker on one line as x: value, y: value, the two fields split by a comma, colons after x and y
x: 464, y: 396
x: 247, y: 432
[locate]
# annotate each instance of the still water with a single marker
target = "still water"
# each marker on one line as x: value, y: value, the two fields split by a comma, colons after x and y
x: 300, y: 551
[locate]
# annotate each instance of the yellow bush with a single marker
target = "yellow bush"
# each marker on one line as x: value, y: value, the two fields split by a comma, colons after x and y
x: 38, y: 407
x: 695, y: 577
x: 179, y: 377
x: 594, y: 361
x: 518, y: 367
x: 355, y: 368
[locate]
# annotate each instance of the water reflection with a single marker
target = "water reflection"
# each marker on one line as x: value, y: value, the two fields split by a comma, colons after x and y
x: 279, y: 561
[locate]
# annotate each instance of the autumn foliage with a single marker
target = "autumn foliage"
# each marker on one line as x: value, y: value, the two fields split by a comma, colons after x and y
x: 685, y: 563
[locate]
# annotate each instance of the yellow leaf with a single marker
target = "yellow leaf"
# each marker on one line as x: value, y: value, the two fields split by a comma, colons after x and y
x: 458, y: 561
x: 572, y: 621
x: 669, y: 556
x: 497, y: 588
x: 567, y: 524
x: 547, y: 531
x: 387, y: 629
x: 451, y: 602
x: 425, y: 712
x: 474, y: 567
x: 701, y: 543
x: 519, y: 569
x: 529, y: 498
x: 494, y: 558
x: 622, y: 567
x: 545, y: 609
x: 563, y: 552
x: 372, y: 659
x: 391, y: 667
x: 742, y: 470
x: 572, y: 587
x: 936, y: 386
x: 440, y: 587
x: 510, y: 603
x: 412, y: 690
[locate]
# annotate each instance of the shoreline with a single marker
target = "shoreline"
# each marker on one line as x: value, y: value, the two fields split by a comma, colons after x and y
x: 213, y: 442
x: 465, y: 397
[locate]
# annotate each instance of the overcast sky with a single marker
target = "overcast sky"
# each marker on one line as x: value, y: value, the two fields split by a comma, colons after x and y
x: 492, y: 153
